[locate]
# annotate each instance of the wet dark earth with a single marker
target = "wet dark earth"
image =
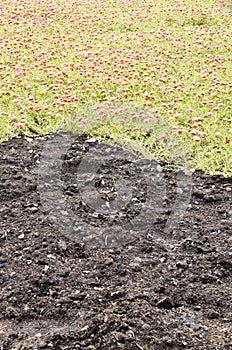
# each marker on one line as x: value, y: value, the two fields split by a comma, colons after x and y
x: 151, y: 288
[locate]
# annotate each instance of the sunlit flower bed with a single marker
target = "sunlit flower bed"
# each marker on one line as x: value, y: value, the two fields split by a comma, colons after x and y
x: 172, y: 57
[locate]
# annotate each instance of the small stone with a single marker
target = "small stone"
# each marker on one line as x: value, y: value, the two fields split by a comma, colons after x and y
x: 62, y: 245
x: 92, y: 140
x: 32, y: 209
x: 38, y: 335
x: 46, y: 267
x: 165, y: 303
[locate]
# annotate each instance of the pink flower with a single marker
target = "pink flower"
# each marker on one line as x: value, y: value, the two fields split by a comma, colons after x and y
x: 14, y: 119
x: 9, y: 133
x: 148, y: 120
x: 19, y: 126
x: 17, y: 101
x: 209, y: 114
x: 196, y: 138
x: 179, y: 131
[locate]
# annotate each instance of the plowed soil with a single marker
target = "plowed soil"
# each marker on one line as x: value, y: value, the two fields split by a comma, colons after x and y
x: 160, y: 291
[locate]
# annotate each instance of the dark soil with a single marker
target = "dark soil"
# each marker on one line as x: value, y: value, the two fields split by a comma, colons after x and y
x: 160, y: 291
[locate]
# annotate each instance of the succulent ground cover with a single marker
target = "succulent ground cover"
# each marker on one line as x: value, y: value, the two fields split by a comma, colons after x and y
x: 174, y: 58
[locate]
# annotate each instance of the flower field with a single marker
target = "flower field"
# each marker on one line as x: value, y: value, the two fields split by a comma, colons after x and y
x: 171, y: 58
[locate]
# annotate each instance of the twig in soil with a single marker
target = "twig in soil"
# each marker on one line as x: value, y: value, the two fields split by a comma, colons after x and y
x: 139, y: 347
